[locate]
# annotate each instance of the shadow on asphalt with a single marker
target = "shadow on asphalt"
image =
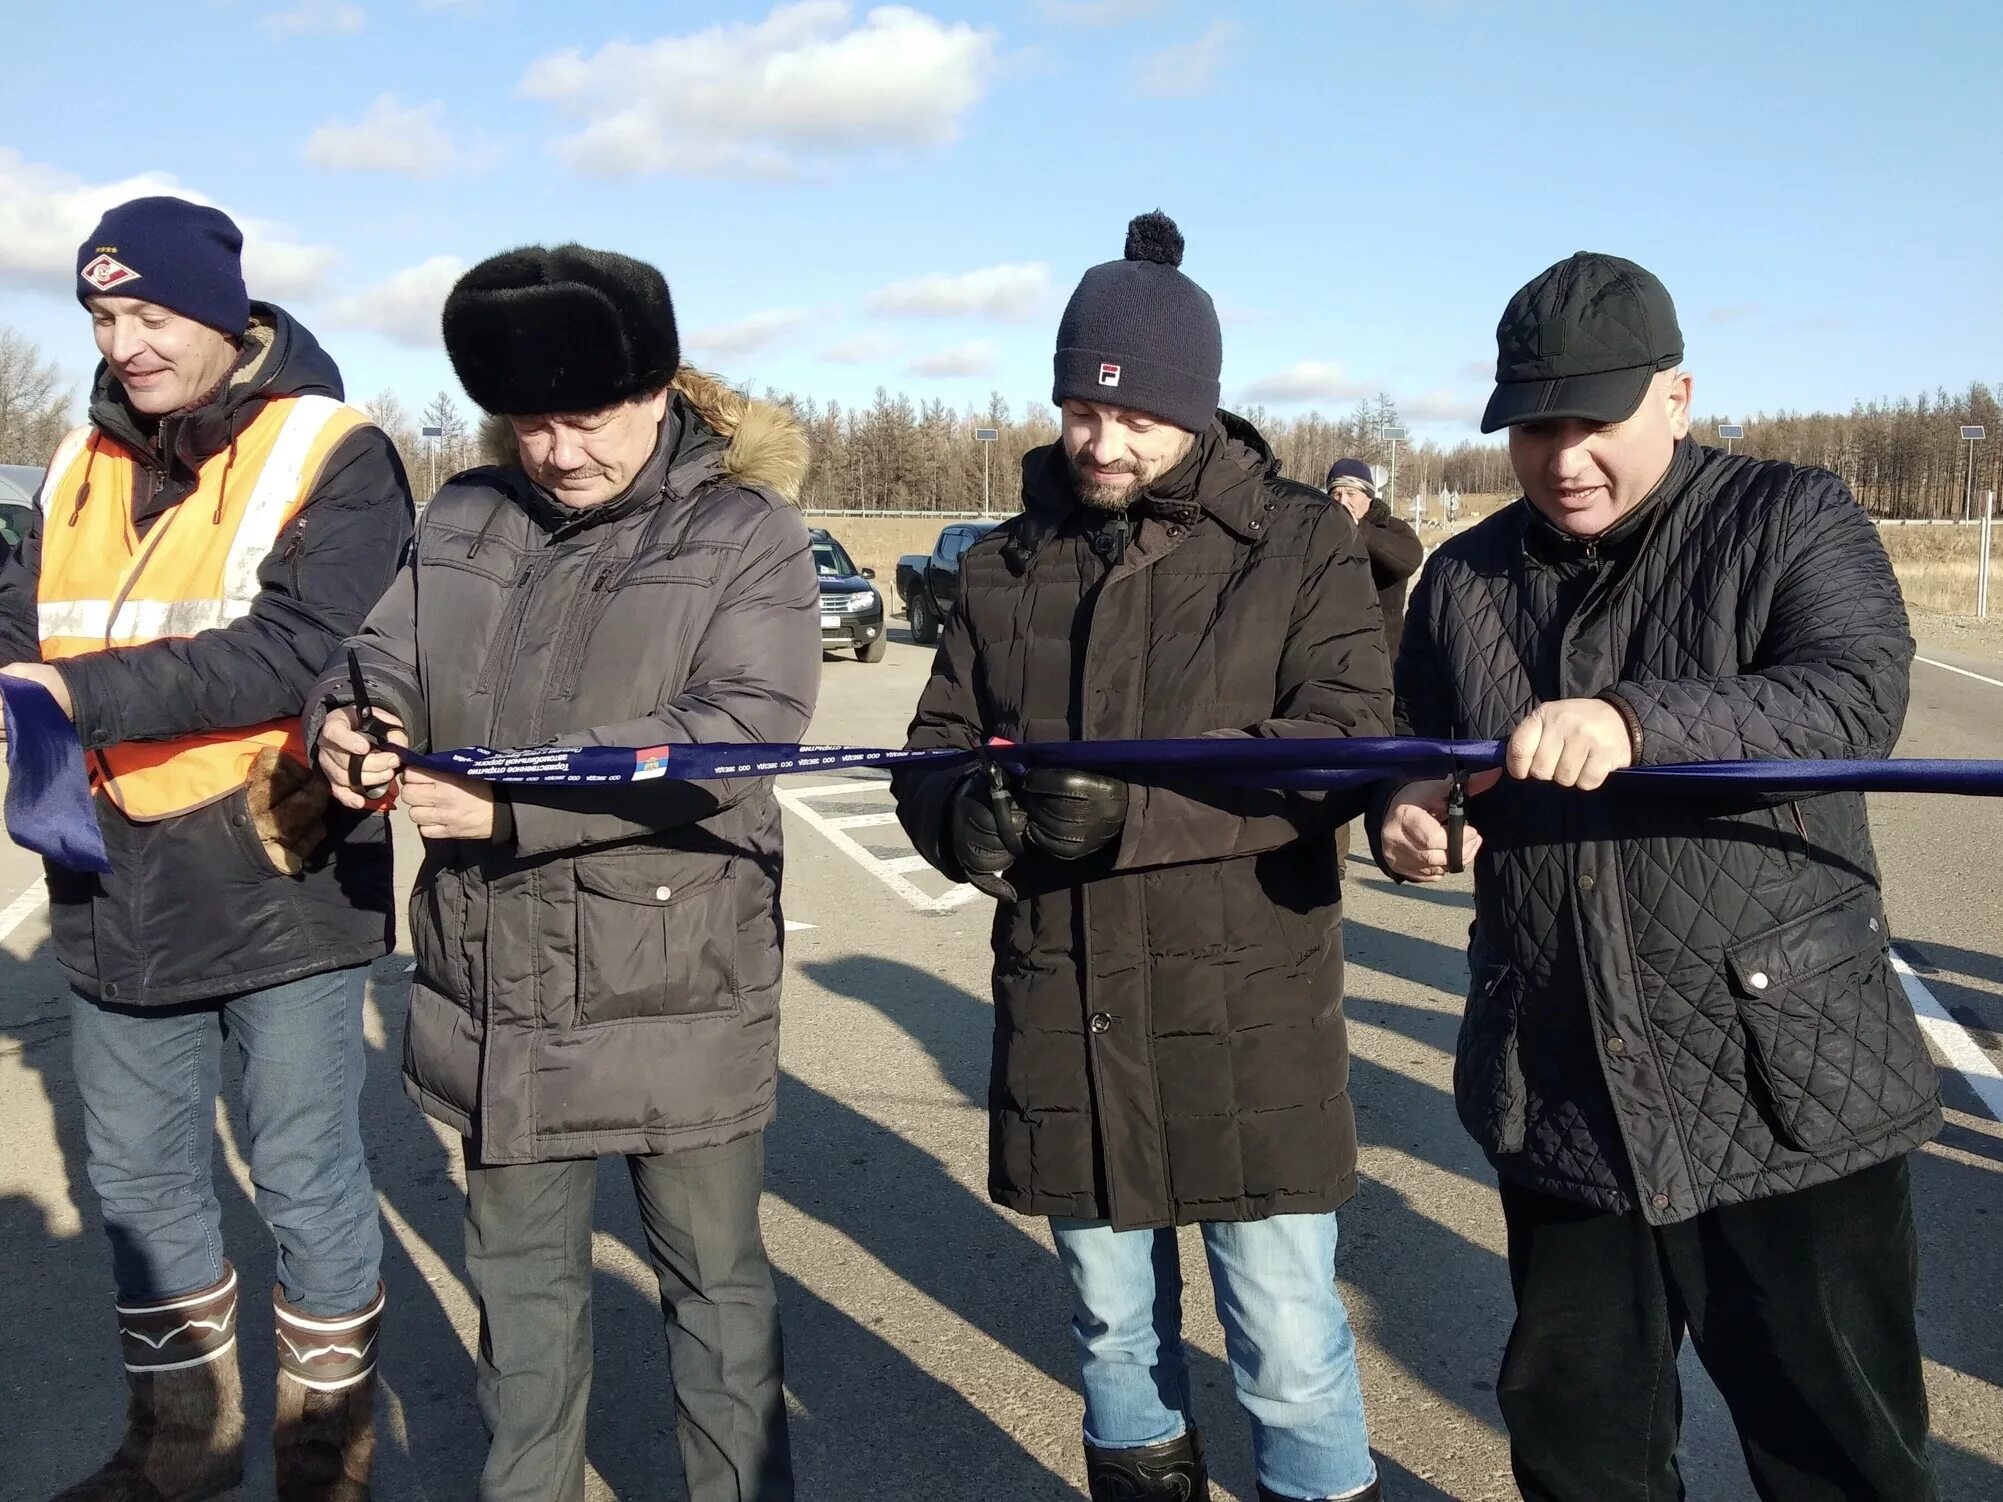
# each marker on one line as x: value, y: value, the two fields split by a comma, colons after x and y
x: 857, y: 1395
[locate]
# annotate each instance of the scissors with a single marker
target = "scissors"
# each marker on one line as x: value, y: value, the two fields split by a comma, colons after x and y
x: 372, y: 724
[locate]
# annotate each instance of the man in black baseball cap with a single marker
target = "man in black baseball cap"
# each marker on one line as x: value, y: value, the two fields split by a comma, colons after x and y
x: 1684, y: 1051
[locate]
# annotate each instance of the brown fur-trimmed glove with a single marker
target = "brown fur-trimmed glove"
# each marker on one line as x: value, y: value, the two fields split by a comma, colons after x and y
x: 287, y: 801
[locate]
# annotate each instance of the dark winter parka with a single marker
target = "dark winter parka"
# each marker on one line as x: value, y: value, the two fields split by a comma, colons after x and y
x: 1395, y: 555
x: 1679, y: 1003
x: 1169, y: 1040
x: 193, y: 909
x: 605, y: 979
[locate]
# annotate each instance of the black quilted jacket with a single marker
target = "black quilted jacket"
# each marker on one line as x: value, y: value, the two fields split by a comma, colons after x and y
x: 1678, y: 1004
x: 1169, y: 1040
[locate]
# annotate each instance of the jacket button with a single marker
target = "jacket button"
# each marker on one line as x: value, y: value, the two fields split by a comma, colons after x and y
x: 1586, y: 882
x: 1660, y: 1201
x: 662, y: 894
x: 1616, y: 1046
x: 1101, y: 1022
x: 1758, y: 980
x: 238, y: 820
x: 111, y: 988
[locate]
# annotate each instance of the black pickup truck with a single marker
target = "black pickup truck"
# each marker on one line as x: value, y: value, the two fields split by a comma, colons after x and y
x: 929, y: 583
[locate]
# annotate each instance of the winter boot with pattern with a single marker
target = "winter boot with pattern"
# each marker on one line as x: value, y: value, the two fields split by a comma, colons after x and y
x: 325, y: 1437
x: 184, y: 1419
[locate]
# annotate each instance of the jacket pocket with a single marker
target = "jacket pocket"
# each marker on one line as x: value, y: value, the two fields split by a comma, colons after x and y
x: 1830, y: 1037
x: 656, y: 936
x: 1488, y: 1071
x: 1778, y: 840
x: 438, y: 935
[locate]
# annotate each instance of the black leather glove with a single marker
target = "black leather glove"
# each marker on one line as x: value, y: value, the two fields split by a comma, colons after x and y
x: 984, y: 827
x: 1073, y: 814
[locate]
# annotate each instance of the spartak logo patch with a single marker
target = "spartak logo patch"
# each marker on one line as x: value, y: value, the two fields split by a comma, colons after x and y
x: 104, y: 273
x: 1109, y: 374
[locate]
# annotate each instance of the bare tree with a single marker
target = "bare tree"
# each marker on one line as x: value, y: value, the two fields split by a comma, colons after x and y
x: 34, y: 402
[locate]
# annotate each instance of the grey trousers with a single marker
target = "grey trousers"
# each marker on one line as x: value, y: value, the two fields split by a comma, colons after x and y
x: 528, y: 1258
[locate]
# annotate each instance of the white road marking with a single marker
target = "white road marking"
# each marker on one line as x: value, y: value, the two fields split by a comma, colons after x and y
x: 863, y: 821
x: 829, y: 789
x: 793, y: 926
x: 1948, y: 667
x: 1968, y: 1057
x: 890, y: 872
x: 17, y: 912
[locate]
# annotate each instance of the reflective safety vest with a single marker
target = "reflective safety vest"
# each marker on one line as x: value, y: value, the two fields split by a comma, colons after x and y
x: 103, y: 585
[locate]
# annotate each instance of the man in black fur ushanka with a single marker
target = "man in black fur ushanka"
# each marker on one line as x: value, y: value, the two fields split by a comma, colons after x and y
x: 598, y: 969
x: 1169, y: 1042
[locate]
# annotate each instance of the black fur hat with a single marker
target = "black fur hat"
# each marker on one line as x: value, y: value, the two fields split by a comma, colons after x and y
x: 562, y: 329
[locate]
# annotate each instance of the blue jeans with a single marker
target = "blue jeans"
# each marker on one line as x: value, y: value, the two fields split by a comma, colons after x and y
x: 149, y: 1079
x: 1293, y: 1358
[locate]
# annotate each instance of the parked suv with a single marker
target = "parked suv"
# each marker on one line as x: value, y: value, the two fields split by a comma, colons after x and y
x: 851, y: 609
x: 929, y: 583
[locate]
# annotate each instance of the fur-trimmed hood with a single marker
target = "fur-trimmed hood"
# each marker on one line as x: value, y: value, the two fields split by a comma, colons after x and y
x: 766, y: 447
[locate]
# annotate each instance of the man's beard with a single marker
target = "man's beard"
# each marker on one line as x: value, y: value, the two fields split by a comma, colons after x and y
x: 1101, y: 497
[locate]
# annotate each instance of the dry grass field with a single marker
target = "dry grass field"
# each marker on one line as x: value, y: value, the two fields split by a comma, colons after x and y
x: 1936, y: 565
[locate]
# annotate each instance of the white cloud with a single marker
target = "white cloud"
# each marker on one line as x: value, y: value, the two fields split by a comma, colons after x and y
x: 45, y: 214
x: 746, y: 336
x: 975, y: 359
x: 404, y: 308
x: 863, y: 349
x: 390, y: 137
x: 1310, y: 381
x: 331, y: 18
x: 1191, y: 68
x: 754, y: 98
x: 1096, y: 13
x: 1013, y: 290
x: 1443, y: 406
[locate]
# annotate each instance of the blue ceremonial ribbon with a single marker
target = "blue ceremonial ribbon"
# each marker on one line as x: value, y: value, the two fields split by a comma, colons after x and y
x: 48, y: 791
x: 49, y: 805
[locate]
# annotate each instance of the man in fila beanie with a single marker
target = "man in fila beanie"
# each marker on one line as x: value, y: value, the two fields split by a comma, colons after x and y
x: 1139, y: 334
x: 1163, y: 580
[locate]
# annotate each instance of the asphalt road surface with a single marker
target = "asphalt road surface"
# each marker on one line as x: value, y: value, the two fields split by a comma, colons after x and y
x: 927, y: 1351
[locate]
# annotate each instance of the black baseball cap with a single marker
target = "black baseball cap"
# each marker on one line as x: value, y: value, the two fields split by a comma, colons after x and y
x: 1582, y: 340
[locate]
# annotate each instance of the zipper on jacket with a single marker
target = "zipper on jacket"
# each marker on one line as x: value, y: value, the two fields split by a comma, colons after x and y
x: 505, y: 639
x: 568, y: 660
x: 290, y: 558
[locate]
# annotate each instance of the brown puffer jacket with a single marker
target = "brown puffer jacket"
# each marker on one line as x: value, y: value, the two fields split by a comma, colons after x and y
x: 608, y: 980
x: 1169, y: 1040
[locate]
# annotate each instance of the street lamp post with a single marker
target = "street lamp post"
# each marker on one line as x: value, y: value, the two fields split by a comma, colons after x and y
x: 431, y: 437
x: 1971, y: 436
x: 1394, y: 435
x: 987, y: 437
x: 1729, y: 431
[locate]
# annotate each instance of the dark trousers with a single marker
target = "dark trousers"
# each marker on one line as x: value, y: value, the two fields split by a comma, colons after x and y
x: 528, y: 1258
x: 1801, y: 1308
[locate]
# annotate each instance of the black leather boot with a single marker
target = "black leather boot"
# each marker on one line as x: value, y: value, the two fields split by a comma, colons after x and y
x: 1171, y: 1471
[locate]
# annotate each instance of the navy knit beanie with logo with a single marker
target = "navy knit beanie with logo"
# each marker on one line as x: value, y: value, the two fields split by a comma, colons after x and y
x: 180, y: 255
x: 1139, y: 334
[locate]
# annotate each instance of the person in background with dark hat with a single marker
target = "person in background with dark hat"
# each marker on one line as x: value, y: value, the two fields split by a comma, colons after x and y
x: 1394, y: 548
x: 1395, y: 555
x: 201, y: 546
x: 1685, y: 1050
x: 1169, y: 1038
x: 598, y: 969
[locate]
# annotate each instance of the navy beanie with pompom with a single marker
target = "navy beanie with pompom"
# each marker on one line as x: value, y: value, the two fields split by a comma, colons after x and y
x: 1139, y: 334
x: 183, y: 256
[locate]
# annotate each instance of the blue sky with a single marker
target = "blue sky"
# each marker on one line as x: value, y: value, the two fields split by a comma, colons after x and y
x: 844, y: 196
